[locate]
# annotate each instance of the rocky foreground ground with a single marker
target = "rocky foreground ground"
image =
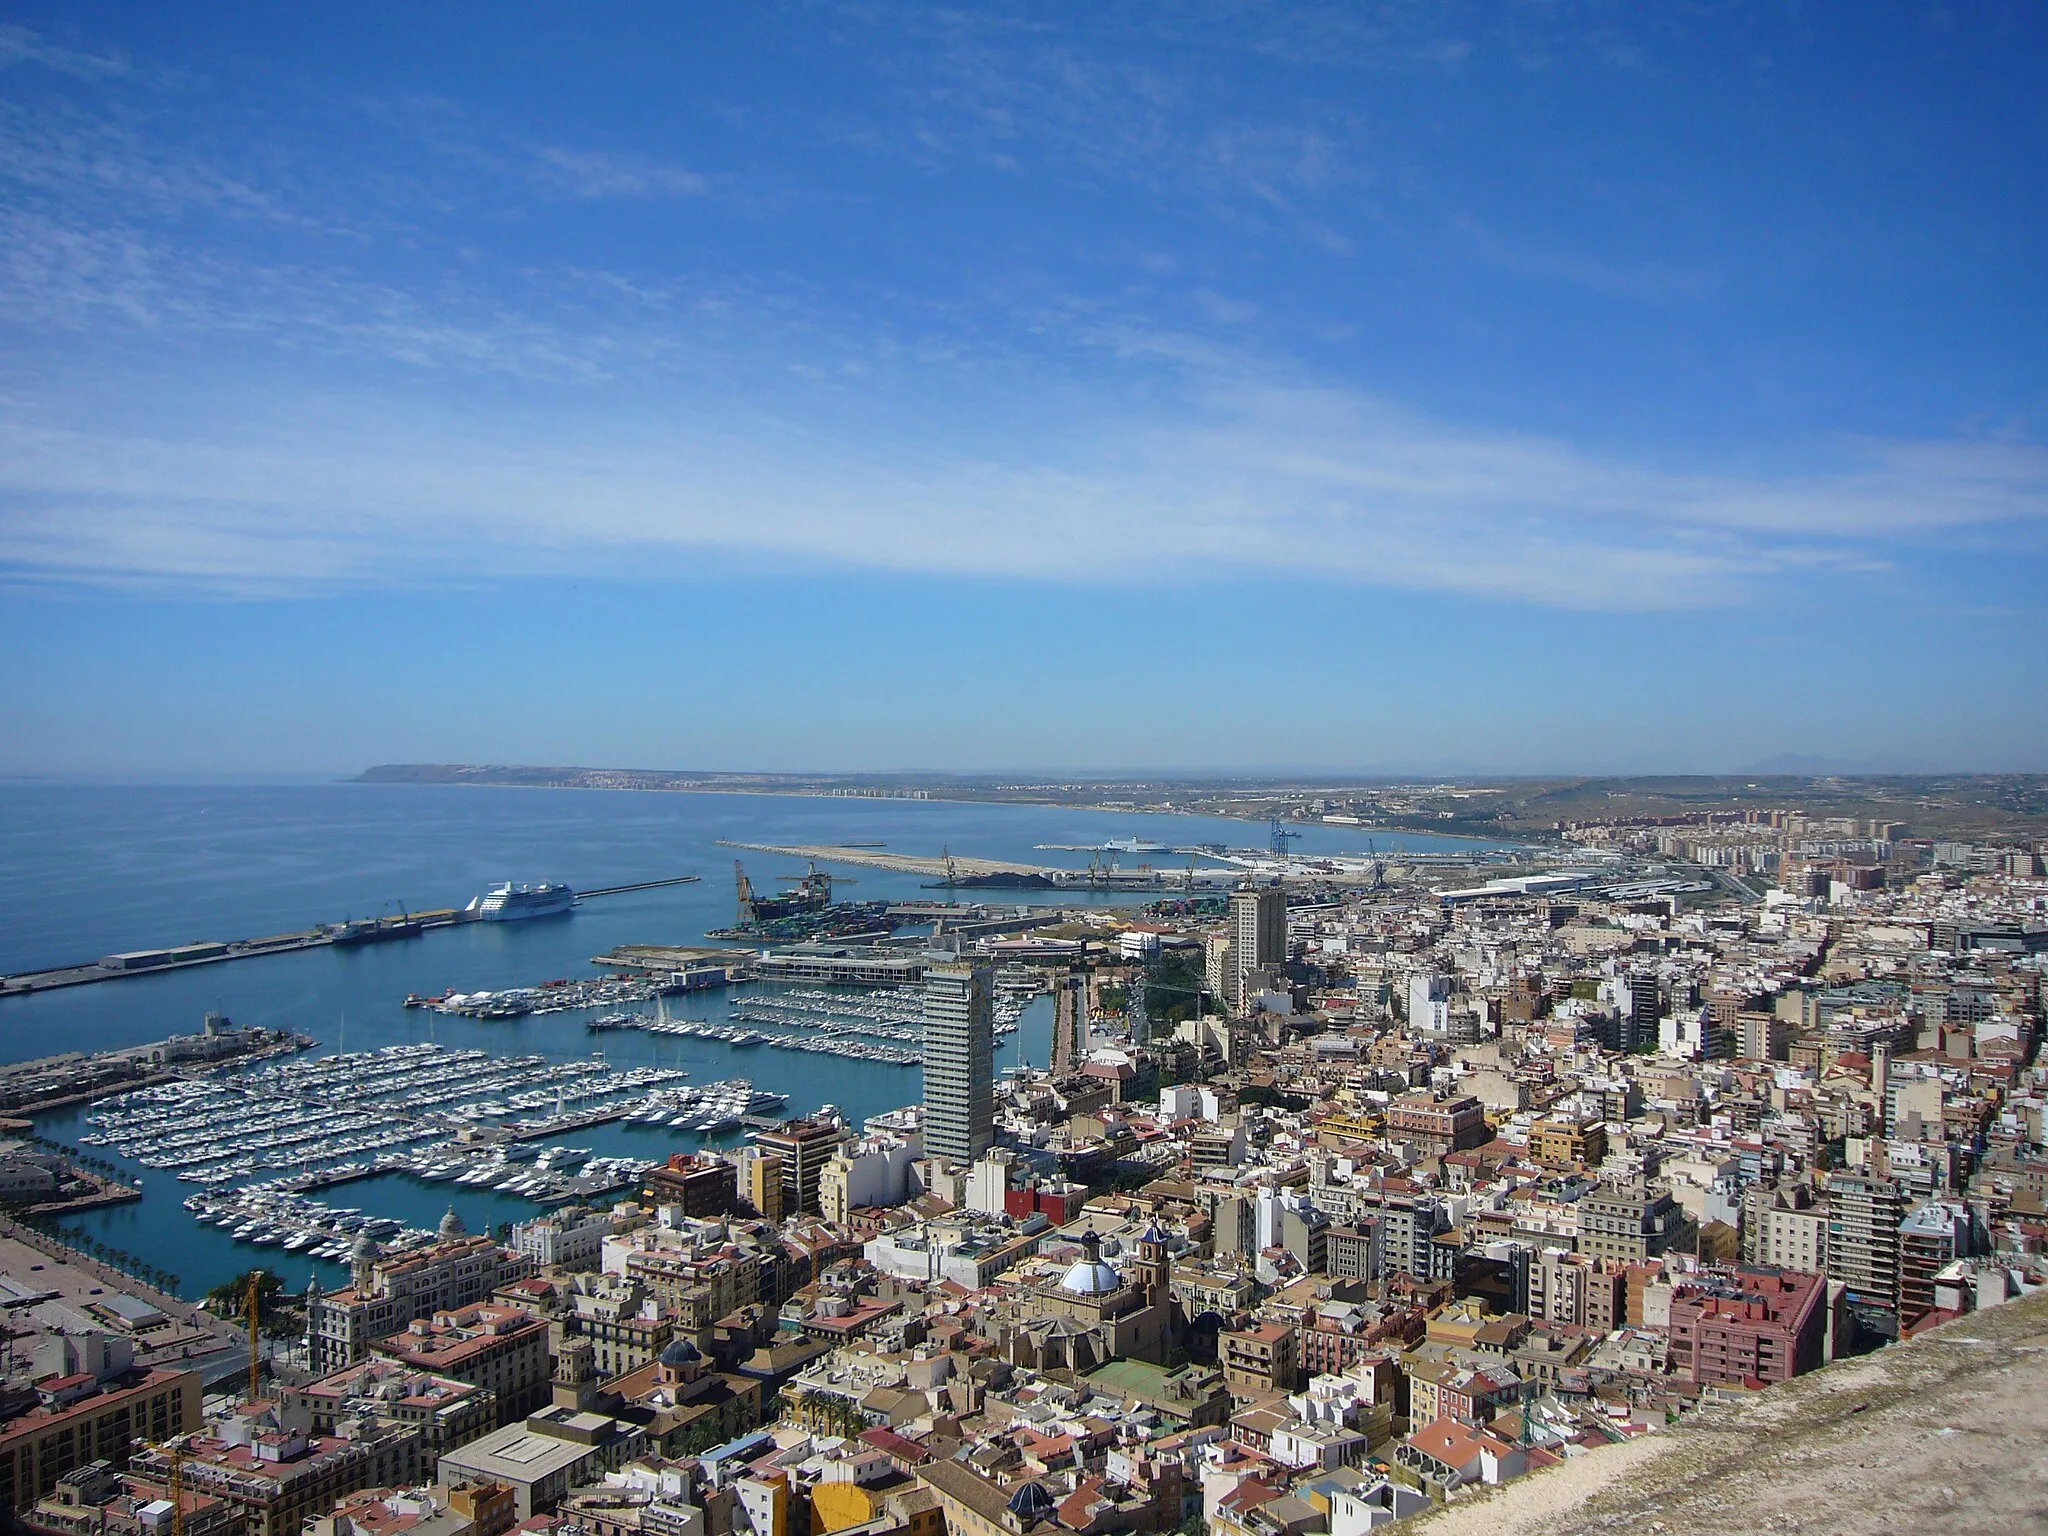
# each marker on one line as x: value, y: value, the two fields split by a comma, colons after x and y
x: 1947, y: 1433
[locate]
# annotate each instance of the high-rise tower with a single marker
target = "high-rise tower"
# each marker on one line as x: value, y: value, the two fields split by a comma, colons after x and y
x: 1258, y: 935
x: 959, y: 1062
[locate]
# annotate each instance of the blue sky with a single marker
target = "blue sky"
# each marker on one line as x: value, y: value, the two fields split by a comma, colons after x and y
x: 1513, y: 386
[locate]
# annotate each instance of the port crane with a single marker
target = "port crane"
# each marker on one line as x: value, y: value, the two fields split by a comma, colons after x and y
x: 1279, y: 836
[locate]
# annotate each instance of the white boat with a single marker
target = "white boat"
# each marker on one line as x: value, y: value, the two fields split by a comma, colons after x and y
x: 509, y: 903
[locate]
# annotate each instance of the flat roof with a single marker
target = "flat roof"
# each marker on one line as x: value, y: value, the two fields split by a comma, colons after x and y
x: 517, y: 1453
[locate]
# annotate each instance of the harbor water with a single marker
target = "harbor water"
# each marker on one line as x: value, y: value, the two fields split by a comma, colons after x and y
x: 87, y: 870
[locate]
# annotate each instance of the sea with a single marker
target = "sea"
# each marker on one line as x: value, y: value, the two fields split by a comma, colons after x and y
x: 88, y: 869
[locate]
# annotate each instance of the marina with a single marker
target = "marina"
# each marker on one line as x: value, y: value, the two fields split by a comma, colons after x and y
x: 283, y: 1213
x: 130, y: 866
x: 822, y: 1044
x: 304, y: 1124
x: 827, y: 1022
x: 561, y: 995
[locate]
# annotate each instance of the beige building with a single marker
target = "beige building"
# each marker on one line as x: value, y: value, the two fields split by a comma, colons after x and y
x: 386, y: 1294
x: 1262, y: 1357
x: 1794, y: 1239
x: 99, y: 1423
x: 1093, y: 1314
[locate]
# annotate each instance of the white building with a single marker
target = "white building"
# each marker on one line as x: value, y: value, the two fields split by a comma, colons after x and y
x: 876, y: 1170
x: 1429, y: 1003
x: 572, y: 1239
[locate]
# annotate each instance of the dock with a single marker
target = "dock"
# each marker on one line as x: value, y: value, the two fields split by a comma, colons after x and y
x: 689, y: 961
x: 48, y: 1083
x: 178, y: 957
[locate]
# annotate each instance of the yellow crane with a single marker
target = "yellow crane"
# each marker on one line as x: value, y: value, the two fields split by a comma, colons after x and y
x: 174, y: 1454
x: 255, y: 1309
x: 177, y: 1453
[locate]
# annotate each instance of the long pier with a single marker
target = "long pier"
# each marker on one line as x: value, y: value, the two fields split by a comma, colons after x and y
x: 640, y: 885
x: 908, y: 864
x: 178, y: 957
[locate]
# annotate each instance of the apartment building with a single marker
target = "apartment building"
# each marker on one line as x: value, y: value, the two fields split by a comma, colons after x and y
x: 487, y: 1345
x: 386, y: 1294
x: 82, y: 1420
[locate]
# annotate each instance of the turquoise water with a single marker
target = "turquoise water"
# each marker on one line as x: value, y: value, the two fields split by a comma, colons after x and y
x: 87, y: 870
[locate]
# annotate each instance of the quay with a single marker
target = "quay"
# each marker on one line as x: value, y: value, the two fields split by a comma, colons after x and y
x: 56, y: 1082
x: 177, y: 957
x: 694, y: 965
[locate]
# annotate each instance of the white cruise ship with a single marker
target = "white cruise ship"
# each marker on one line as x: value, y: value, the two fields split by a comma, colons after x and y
x: 508, y: 903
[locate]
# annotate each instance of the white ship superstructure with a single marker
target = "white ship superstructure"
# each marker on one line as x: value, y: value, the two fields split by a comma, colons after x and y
x: 509, y: 903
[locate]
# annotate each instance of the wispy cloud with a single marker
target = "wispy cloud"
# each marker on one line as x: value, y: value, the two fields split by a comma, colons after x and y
x: 19, y: 45
x: 1231, y: 476
x: 628, y: 421
x: 589, y: 173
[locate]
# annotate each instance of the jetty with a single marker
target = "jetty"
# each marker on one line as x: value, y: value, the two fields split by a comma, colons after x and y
x: 55, y: 1082
x: 941, y: 868
x: 346, y: 935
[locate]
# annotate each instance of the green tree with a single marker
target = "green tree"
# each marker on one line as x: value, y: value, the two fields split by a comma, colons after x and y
x: 700, y: 1437
x: 1173, y: 989
x: 231, y: 1297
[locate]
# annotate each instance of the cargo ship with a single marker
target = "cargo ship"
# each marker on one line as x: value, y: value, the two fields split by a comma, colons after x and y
x: 813, y: 893
x: 509, y: 903
x: 374, y: 930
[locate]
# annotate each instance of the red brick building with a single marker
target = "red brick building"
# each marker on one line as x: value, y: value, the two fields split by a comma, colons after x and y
x: 1749, y: 1324
x: 1438, y: 1125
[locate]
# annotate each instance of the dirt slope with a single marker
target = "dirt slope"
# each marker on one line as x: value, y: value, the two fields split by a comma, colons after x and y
x: 1948, y: 1433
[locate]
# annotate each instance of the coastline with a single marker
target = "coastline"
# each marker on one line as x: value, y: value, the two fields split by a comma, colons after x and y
x: 1516, y: 842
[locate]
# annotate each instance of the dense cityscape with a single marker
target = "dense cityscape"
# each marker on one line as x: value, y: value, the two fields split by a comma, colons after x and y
x: 1344, y: 1195
x: 1025, y: 768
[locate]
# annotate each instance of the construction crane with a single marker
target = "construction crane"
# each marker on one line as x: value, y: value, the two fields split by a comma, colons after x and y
x: 255, y: 1309
x: 177, y: 1486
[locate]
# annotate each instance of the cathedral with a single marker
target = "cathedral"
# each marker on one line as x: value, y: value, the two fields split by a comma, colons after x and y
x: 1093, y: 1314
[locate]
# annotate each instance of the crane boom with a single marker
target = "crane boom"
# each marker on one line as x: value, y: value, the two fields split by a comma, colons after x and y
x: 255, y: 1336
